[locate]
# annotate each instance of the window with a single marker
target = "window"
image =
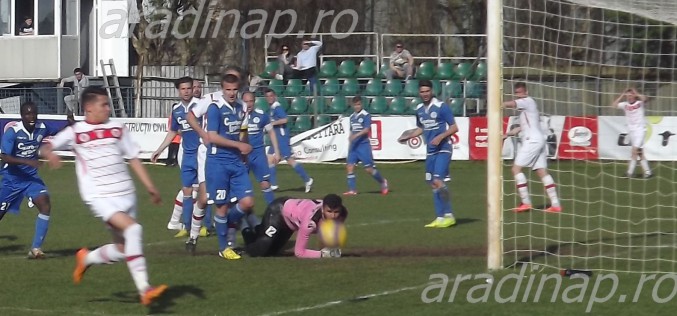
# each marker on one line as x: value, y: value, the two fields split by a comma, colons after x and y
x: 69, y: 17
x: 23, y: 18
x: 5, y: 17
x: 46, y: 17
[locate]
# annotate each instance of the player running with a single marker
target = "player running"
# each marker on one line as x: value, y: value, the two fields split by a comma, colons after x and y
x: 19, y: 153
x: 634, y: 113
x: 101, y: 147
x: 285, y: 216
x: 532, y: 153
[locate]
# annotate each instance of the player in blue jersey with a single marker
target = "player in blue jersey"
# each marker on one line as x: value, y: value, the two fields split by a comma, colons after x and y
x: 228, y: 186
x: 19, y: 153
x: 359, y: 149
x: 436, y: 123
x: 190, y: 143
x: 279, y: 121
x: 258, y: 123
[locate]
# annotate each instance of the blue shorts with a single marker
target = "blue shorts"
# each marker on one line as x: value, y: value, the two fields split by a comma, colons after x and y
x: 258, y: 164
x: 437, y: 166
x: 227, y: 182
x: 189, y: 170
x: 361, y: 153
x: 285, y: 148
x: 14, y: 190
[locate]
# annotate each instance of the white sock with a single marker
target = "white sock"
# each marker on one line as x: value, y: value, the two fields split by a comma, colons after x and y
x: 645, y: 165
x: 631, y: 166
x: 196, y: 223
x: 551, y: 189
x: 178, y: 209
x: 105, y: 254
x: 522, y: 188
x: 136, y: 262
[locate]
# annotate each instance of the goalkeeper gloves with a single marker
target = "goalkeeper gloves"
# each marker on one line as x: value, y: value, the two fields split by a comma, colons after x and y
x: 331, y: 253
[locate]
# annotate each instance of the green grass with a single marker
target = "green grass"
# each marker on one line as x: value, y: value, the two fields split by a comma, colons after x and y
x: 389, y: 256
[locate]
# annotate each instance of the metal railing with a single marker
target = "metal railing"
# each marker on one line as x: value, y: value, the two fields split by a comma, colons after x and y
x: 439, y: 57
x: 50, y: 100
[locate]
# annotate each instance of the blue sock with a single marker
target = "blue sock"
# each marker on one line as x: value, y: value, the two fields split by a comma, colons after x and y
x: 187, y: 211
x: 273, y: 174
x: 443, y: 194
x: 301, y: 172
x: 41, y: 225
x: 351, y: 182
x: 208, y: 217
x: 235, y: 214
x: 221, y: 231
x: 268, y: 195
x: 439, y: 207
x: 377, y: 176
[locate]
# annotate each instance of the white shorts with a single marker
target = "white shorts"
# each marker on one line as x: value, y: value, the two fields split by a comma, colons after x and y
x: 201, y: 159
x: 637, y: 138
x: 532, y: 155
x: 105, y: 207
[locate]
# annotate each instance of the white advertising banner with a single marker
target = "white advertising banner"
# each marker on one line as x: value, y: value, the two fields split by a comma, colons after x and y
x: 660, y: 141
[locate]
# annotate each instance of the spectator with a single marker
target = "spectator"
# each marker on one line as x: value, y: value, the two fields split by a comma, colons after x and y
x: 401, y: 63
x: 27, y: 28
x: 80, y: 82
x: 285, y: 61
x: 306, y: 62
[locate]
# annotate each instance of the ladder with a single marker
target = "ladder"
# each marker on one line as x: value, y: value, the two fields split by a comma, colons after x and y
x: 117, y: 103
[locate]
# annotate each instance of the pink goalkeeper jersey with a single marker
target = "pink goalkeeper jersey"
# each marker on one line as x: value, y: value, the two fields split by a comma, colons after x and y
x: 100, y: 152
x: 298, y: 214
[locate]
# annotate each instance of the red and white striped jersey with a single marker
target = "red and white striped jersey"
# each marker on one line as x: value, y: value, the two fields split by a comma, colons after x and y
x: 634, y: 113
x: 100, y: 152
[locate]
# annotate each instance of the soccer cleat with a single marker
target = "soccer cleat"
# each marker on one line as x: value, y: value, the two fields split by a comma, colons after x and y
x: 648, y: 175
x: 80, y: 266
x: 191, y: 245
x: 432, y: 224
x: 447, y: 179
x: 522, y: 208
x: 229, y: 254
x: 274, y: 187
x: 350, y: 193
x: 174, y: 226
x: 446, y: 222
x: 152, y: 293
x: 384, y: 187
x: 36, y: 253
x: 554, y: 209
x: 309, y: 185
x: 182, y: 233
x: 204, y: 232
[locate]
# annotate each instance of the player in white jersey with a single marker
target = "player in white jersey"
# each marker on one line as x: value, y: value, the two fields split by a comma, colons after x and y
x: 634, y: 113
x: 101, y: 147
x: 532, y: 153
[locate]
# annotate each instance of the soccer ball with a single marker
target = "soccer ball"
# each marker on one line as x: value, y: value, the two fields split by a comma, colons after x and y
x: 332, y: 233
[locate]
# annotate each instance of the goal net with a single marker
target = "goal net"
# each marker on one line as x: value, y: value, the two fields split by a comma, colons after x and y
x: 576, y: 58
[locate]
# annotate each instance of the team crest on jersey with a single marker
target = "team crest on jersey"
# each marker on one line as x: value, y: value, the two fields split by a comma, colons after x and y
x: 256, y: 120
x: 433, y: 115
x: 360, y: 120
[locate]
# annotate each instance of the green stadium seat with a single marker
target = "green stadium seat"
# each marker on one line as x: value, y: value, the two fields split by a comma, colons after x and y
x: 318, y: 103
x: 457, y: 106
x: 338, y: 105
x: 299, y: 105
x: 480, y: 72
x: 426, y: 70
x: 284, y: 103
x: 331, y: 87
x: 398, y: 106
x: 323, y: 120
x: 350, y: 87
x: 411, y: 108
x: 411, y: 88
x: 367, y: 69
x: 452, y: 89
x: 475, y: 90
x: 262, y: 104
x: 347, y: 69
x: 378, y: 105
x: 437, y: 87
x: 374, y: 87
x: 383, y: 71
x: 393, y: 87
x: 302, y: 123
x: 328, y: 69
x: 294, y: 88
x: 270, y: 70
x: 444, y: 71
x: 277, y: 86
x: 463, y: 71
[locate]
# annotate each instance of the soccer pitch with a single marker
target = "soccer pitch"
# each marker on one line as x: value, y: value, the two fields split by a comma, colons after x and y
x: 386, y: 268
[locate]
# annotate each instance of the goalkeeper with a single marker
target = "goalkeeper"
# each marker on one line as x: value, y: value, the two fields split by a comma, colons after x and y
x: 286, y: 215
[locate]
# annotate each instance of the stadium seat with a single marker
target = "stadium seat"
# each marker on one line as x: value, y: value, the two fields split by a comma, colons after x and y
x: 350, y: 87
x: 393, y: 87
x: 480, y: 72
x: 411, y: 109
x: 411, y: 88
x: 373, y: 88
x: 302, y: 123
x: 323, y: 120
x: 318, y: 103
x: 382, y: 71
x: 437, y: 87
x: 475, y: 90
x: 277, y: 86
x: 452, y: 89
x: 378, y: 105
x: 299, y: 105
x: 262, y: 104
x: 347, y: 69
x: 331, y: 87
x: 457, y: 106
x: 338, y: 105
x: 284, y: 103
x: 463, y: 71
x: 294, y: 88
x: 328, y: 69
x: 426, y: 71
x: 398, y: 106
x: 444, y: 71
x: 270, y: 70
x: 367, y: 69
